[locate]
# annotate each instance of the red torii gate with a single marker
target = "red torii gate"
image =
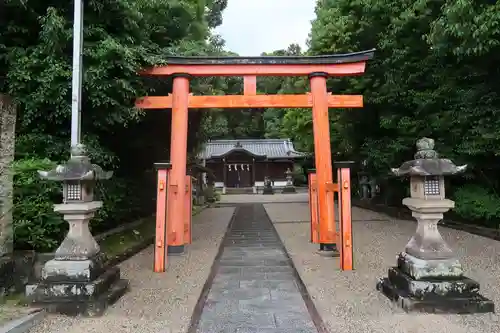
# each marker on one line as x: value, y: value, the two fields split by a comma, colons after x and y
x: 318, y: 68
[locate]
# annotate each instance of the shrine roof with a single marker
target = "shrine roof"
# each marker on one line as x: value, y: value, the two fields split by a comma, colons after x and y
x: 341, y: 58
x: 269, y: 148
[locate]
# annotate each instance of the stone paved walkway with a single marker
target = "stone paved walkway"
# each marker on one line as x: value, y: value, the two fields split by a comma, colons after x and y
x: 255, y: 288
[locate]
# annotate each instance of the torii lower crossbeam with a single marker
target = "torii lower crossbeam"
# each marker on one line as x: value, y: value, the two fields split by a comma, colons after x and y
x: 255, y: 101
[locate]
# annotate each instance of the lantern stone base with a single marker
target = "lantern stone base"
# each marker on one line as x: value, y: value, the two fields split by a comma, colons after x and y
x: 83, y: 287
x: 434, y: 288
x: 268, y: 190
x: 429, y: 269
x: 289, y: 189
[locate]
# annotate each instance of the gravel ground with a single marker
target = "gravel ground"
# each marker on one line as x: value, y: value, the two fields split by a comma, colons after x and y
x: 157, y: 302
x: 12, y: 312
x: 348, y: 301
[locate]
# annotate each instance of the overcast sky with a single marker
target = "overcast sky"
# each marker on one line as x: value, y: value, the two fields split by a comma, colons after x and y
x: 251, y: 27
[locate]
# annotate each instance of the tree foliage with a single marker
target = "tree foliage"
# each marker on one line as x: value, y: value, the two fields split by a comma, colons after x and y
x: 434, y: 75
x: 120, y: 38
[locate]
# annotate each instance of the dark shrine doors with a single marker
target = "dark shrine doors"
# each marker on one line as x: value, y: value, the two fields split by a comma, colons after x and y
x: 239, y: 175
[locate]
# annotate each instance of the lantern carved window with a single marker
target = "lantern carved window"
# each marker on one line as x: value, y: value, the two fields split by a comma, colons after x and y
x: 432, y: 185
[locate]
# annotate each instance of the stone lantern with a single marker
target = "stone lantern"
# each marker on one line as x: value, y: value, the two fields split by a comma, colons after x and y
x: 77, y: 280
x: 289, y: 188
x: 429, y: 277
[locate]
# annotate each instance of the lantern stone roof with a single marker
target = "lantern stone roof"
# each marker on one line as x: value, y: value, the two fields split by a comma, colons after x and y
x: 427, y: 162
x: 78, y: 167
x: 259, y: 148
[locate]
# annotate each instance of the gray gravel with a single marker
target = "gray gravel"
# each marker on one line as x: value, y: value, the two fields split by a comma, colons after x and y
x: 157, y: 302
x: 348, y: 301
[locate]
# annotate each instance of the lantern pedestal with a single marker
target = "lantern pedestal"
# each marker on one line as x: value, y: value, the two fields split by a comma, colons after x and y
x: 77, y: 281
x: 289, y: 189
x: 268, y: 190
x: 428, y: 276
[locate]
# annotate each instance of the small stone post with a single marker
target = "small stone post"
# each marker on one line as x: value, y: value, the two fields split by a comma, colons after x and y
x: 77, y: 280
x: 429, y: 276
x: 289, y: 188
x: 268, y: 187
x: 7, y: 146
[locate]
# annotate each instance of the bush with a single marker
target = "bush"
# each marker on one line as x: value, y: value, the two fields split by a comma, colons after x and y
x: 477, y: 204
x: 210, y: 194
x: 36, y: 225
x: 121, y: 204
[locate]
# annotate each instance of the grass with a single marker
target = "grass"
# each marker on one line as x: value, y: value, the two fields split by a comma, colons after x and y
x: 116, y: 244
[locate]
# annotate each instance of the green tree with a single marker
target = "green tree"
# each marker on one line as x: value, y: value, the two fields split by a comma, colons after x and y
x: 435, y: 73
x: 120, y: 38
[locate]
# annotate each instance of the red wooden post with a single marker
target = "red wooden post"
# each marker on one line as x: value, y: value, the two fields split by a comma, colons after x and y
x: 322, y: 153
x: 250, y: 85
x: 345, y: 217
x: 178, y: 158
x: 313, y: 207
x: 188, y: 212
x: 160, y: 248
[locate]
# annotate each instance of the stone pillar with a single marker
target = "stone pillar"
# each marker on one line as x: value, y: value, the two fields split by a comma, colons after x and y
x: 254, y: 186
x: 7, y: 145
x: 289, y: 188
x: 224, y: 177
x: 429, y: 277
x: 77, y: 280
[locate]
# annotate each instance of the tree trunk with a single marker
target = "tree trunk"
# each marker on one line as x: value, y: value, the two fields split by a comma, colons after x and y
x: 7, y: 143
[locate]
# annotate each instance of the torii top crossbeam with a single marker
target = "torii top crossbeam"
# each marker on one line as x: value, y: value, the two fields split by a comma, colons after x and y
x: 334, y: 65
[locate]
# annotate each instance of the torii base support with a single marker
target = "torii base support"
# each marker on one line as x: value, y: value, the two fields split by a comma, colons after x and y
x: 328, y: 250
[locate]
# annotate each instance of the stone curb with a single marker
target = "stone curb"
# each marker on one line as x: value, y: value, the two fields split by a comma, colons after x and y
x: 115, y: 260
x: 23, y: 324
x: 120, y: 229
x: 401, y: 214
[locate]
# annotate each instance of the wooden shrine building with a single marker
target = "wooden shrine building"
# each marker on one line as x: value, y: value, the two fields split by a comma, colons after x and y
x: 244, y: 163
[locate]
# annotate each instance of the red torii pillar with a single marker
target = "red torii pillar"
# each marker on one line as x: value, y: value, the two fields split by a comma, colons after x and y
x: 178, y: 158
x: 323, y: 160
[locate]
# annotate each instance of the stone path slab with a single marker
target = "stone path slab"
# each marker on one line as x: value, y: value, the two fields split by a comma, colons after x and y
x: 254, y: 289
x: 157, y: 303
